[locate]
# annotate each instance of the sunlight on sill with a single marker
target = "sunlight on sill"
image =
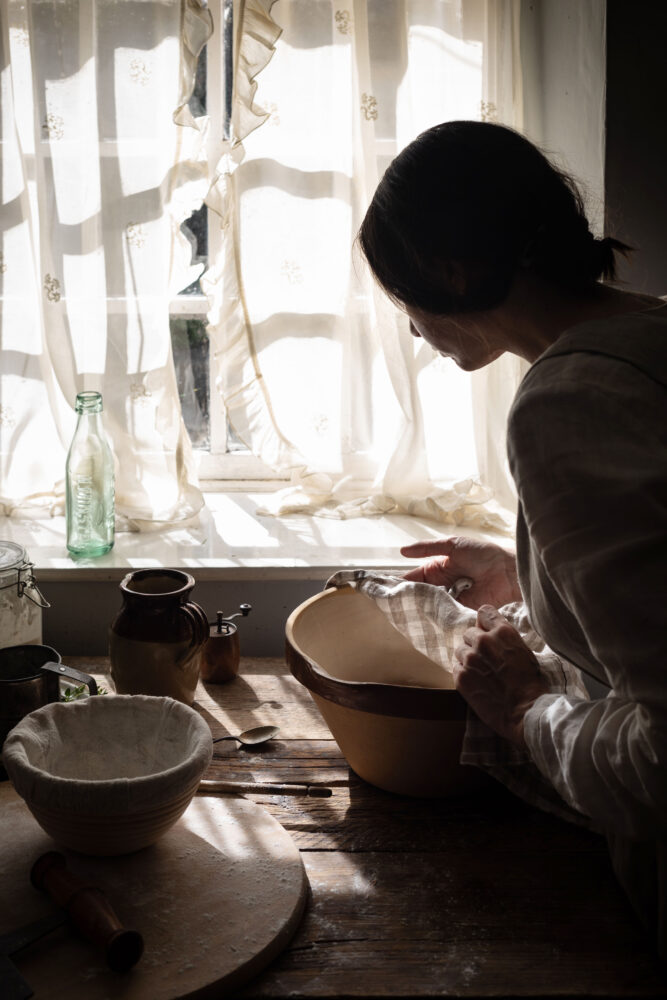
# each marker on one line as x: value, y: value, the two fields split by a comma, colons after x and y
x: 230, y: 541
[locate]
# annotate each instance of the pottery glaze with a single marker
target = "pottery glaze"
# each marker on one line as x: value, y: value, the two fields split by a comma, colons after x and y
x: 156, y: 639
x: 393, y: 711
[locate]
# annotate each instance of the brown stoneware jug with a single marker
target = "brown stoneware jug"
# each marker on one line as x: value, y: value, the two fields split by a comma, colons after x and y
x: 156, y: 638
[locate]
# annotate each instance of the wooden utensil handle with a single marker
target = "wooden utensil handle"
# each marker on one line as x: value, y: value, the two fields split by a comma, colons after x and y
x: 262, y: 788
x: 89, y: 910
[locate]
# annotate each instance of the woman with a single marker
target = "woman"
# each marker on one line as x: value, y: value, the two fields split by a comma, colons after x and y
x: 486, y: 247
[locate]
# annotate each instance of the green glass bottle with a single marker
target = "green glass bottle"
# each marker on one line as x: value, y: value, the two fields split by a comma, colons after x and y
x: 90, y: 501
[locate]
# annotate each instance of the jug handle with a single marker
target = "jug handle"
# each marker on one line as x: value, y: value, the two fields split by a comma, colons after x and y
x: 71, y: 674
x: 198, y: 622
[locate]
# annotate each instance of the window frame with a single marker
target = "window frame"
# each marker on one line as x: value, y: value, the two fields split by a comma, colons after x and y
x: 220, y: 465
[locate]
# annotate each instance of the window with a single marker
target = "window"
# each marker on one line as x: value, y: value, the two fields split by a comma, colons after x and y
x: 220, y: 452
x: 285, y: 353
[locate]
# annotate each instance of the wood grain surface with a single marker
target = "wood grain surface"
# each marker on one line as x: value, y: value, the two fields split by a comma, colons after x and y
x: 215, y: 900
x: 412, y: 897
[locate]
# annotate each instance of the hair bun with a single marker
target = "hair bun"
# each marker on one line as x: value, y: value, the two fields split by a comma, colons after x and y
x: 606, y: 249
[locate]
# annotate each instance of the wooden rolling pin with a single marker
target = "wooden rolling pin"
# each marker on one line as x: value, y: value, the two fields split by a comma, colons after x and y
x: 89, y: 910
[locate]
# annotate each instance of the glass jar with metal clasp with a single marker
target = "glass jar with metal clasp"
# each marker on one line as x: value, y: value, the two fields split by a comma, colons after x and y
x: 21, y: 601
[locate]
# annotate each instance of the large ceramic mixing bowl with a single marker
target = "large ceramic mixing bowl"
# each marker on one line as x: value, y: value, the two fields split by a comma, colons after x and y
x: 393, y: 711
x: 108, y: 774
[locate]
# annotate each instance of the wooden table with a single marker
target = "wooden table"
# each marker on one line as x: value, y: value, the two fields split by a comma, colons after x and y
x: 424, y: 898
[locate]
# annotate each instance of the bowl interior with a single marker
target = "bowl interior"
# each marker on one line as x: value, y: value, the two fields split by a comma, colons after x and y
x: 105, y: 738
x: 394, y: 712
x: 346, y: 635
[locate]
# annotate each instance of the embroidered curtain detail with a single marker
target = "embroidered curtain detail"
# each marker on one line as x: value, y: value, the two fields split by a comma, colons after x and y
x: 315, y: 369
x: 97, y: 179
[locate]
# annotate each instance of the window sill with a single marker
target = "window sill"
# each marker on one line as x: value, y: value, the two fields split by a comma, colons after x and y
x: 231, y: 542
x: 234, y: 555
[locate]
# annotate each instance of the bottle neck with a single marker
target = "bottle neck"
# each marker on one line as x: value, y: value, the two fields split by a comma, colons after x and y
x: 89, y: 421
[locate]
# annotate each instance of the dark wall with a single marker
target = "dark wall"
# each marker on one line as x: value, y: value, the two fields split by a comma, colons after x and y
x: 636, y: 146
x: 262, y: 633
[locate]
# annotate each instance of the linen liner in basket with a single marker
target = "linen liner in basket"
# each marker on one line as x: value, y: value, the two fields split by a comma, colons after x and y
x: 153, y: 727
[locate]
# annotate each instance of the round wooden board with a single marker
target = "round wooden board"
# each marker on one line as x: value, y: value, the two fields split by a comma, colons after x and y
x: 216, y: 899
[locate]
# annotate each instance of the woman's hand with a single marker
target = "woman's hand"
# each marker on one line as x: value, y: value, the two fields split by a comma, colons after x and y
x: 498, y: 675
x: 491, y: 568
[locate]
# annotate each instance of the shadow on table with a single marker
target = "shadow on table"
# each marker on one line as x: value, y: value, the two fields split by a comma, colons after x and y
x: 499, y: 889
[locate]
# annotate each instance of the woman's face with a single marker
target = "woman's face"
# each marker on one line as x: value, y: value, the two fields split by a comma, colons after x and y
x: 472, y: 340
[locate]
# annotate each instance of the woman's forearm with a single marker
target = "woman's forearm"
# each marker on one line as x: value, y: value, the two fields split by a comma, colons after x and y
x: 607, y: 758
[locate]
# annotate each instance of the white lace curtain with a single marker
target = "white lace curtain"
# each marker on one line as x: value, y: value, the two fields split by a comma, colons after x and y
x: 97, y: 177
x: 316, y: 371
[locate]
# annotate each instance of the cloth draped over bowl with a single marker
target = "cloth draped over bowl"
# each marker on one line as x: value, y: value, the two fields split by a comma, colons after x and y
x: 434, y: 622
x: 112, y: 755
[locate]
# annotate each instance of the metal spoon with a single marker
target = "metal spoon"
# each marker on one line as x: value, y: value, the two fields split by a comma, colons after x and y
x: 252, y: 736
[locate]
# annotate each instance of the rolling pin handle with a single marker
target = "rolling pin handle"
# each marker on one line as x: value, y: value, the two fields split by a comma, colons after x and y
x: 89, y: 910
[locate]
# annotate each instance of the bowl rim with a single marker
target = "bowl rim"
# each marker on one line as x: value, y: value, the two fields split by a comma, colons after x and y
x: 121, y: 795
x: 399, y: 700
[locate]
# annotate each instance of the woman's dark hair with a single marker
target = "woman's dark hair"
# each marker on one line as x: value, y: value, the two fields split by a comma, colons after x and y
x: 463, y: 207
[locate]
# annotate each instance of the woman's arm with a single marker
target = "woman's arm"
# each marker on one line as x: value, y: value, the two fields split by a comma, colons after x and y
x: 589, y: 457
x: 491, y: 568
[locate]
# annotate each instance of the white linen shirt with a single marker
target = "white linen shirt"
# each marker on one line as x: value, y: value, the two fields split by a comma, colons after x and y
x: 587, y: 445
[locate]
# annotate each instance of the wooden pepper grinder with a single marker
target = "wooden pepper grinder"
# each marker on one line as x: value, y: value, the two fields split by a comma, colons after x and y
x: 221, y: 652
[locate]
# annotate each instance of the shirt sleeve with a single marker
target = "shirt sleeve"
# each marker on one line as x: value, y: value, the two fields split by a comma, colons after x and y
x: 588, y: 451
